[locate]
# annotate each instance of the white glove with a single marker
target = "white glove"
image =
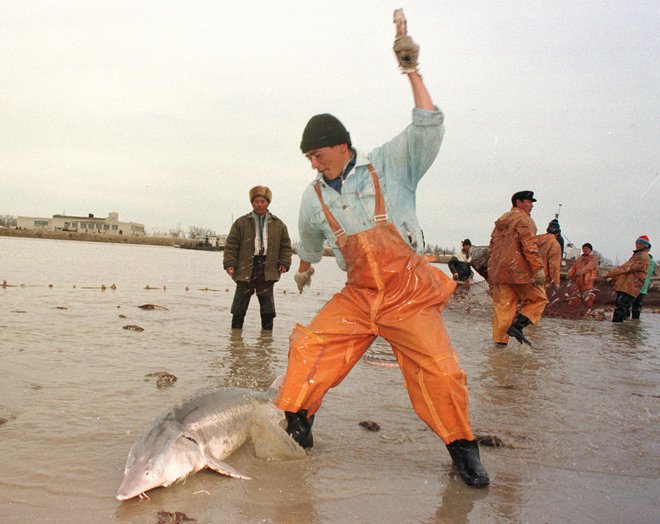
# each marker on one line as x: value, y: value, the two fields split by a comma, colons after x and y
x: 539, y: 277
x: 303, y: 278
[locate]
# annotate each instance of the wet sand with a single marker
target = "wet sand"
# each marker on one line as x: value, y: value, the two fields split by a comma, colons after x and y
x: 578, y: 413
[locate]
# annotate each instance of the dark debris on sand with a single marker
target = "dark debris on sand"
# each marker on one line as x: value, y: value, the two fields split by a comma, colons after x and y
x: 489, y: 440
x: 370, y: 425
x: 167, y: 517
x: 153, y: 307
x: 163, y: 378
x: 133, y: 327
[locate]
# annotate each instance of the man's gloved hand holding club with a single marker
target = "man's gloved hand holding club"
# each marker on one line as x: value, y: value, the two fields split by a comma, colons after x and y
x: 406, y: 51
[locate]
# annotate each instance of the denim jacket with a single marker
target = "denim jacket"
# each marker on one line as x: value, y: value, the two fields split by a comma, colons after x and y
x: 400, y: 164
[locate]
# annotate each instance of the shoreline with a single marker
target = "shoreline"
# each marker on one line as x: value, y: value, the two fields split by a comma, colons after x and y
x: 95, y: 237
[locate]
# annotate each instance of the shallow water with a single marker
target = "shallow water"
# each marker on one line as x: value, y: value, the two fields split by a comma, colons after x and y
x: 578, y: 413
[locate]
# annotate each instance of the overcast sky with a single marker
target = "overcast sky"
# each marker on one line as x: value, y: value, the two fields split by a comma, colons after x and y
x: 168, y: 112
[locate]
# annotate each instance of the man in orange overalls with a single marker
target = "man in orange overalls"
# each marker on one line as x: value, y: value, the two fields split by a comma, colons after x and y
x: 364, y: 207
x: 583, y: 274
x: 515, y: 271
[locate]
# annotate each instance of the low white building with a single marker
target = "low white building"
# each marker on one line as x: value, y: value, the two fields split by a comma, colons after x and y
x: 89, y: 224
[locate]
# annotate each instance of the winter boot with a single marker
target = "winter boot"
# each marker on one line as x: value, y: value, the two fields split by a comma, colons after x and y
x: 299, y: 426
x: 465, y: 456
x: 622, y: 304
x: 619, y: 316
x: 237, y: 321
x: 516, y: 329
x: 267, y: 322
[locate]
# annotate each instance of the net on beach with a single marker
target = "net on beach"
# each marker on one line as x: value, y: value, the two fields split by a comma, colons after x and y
x: 472, y: 295
x: 563, y: 302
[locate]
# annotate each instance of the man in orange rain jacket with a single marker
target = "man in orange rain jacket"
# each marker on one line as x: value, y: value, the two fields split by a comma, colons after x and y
x: 583, y: 273
x: 550, y: 252
x: 515, y: 271
x: 629, y: 278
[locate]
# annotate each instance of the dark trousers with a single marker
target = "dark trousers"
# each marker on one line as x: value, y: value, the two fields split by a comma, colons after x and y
x: 462, y: 269
x: 263, y: 288
x: 622, y: 305
x: 637, y: 306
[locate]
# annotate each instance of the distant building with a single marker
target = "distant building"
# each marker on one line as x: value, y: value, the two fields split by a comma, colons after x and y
x: 89, y: 224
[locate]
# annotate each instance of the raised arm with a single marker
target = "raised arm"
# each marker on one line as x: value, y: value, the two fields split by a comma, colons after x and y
x: 420, y: 93
x: 407, y: 53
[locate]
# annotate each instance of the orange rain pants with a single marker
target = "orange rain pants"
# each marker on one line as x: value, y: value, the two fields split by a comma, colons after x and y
x: 506, y: 297
x: 585, y: 293
x: 391, y: 292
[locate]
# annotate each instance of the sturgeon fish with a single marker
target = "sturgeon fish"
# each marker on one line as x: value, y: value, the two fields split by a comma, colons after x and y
x: 200, y: 432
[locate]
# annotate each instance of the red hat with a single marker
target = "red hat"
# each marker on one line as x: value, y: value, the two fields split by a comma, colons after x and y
x: 644, y: 240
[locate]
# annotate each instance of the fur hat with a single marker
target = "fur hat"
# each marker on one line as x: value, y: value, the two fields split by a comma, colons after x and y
x: 261, y: 191
x: 644, y: 240
x: 323, y: 131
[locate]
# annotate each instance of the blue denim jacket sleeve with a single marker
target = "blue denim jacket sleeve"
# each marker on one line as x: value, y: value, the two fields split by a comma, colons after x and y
x: 400, y: 164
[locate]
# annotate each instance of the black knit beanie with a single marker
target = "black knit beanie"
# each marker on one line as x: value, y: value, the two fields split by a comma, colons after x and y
x: 323, y: 131
x: 553, y: 226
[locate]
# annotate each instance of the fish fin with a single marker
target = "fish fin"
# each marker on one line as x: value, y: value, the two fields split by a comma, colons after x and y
x: 225, y: 469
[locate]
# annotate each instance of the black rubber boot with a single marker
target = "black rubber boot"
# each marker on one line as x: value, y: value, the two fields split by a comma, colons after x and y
x: 237, y: 322
x: 267, y: 322
x: 637, y: 306
x: 622, y: 305
x: 618, y: 316
x: 465, y: 456
x: 299, y: 426
x: 516, y: 329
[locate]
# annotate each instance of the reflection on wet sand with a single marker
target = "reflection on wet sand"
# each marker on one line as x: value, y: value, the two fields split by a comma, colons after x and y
x: 457, y: 504
x: 247, y: 361
x: 294, y: 501
x: 510, y: 382
x: 632, y: 334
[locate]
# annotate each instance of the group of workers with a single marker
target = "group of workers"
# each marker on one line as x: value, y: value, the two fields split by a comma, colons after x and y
x: 631, y: 280
x: 522, y: 264
x: 363, y: 206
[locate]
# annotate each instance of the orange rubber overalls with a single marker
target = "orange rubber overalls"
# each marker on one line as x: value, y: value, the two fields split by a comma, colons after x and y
x: 392, y: 292
x: 586, y: 266
x: 512, y: 262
